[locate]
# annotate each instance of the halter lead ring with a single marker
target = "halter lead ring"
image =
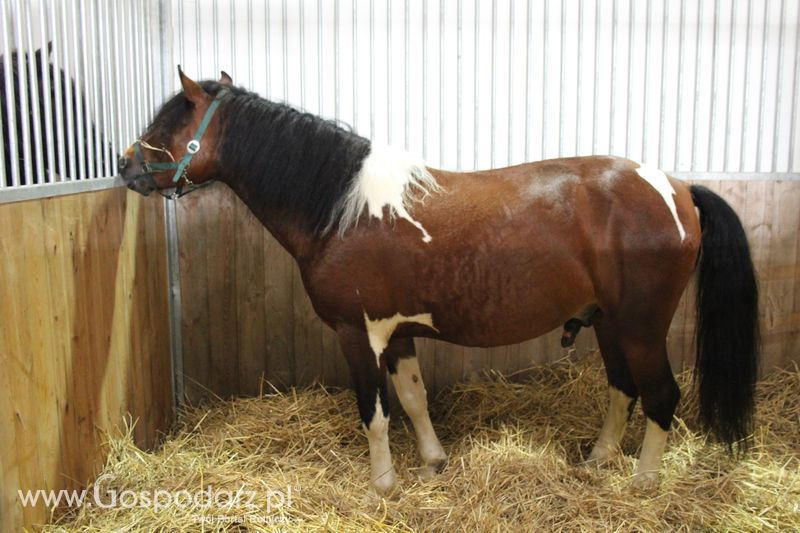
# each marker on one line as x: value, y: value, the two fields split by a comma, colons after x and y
x: 181, y: 167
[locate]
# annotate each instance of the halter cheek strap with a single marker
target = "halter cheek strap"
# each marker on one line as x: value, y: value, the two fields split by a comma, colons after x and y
x: 180, y: 167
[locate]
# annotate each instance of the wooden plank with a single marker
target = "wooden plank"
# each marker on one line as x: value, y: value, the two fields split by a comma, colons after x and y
x: 158, y: 413
x: 334, y: 365
x: 279, y: 309
x: 307, y: 334
x: 250, y: 300
x: 781, y: 274
x: 221, y: 261
x: 68, y: 280
x: 192, y: 244
x: 449, y: 364
x: 20, y: 468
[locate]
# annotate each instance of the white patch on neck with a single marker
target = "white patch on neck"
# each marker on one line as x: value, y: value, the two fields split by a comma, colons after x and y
x: 387, y: 178
x: 380, y: 331
x: 659, y: 181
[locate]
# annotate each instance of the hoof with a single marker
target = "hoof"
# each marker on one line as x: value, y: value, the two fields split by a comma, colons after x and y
x: 386, y: 485
x: 601, y: 454
x: 645, y: 481
x: 429, y: 470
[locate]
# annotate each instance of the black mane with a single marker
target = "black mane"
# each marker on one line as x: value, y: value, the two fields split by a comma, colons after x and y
x: 279, y: 158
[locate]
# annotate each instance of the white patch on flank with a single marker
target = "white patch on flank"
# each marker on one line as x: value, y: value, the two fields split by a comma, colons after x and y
x: 414, y: 399
x: 383, y: 475
x: 660, y: 183
x: 655, y: 440
x: 607, y: 444
x: 380, y: 331
x: 387, y: 178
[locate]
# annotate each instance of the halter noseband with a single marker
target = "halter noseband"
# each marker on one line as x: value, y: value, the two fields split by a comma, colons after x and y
x: 181, y: 167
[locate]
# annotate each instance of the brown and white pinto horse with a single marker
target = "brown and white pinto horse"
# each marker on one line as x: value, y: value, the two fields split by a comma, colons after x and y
x: 390, y: 250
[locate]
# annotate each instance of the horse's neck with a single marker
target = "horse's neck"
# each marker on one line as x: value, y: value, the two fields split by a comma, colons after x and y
x: 288, y: 232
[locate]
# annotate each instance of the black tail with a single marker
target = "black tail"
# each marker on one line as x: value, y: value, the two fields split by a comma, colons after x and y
x: 727, y: 322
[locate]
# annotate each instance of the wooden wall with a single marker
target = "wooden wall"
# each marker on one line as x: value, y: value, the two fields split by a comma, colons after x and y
x: 246, y: 314
x: 84, y: 338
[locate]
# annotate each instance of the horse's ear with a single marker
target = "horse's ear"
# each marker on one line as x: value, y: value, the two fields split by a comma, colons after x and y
x: 193, y: 91
x: 46, y: 50
x: 225, y: 79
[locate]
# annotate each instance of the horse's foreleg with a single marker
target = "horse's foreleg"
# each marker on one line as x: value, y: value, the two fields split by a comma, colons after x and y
x: 407, y: 378
x: 369, y: 381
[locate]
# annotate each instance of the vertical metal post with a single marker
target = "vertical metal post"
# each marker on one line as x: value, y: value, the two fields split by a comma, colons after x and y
x: 746, y: 92
x: 510, y: 82
x: 164, y: 14
x: 493, y: 88
x: 795, y: 82
x: 662, y: 98
x: 22, y: 87
x: 528, y: 32
x: 595, y: 97
x: 406, y: 71
x: 57, y: 88
x: 726, y: 144
x: 646, y: 85
x: 762, y: 86
x: 561, y: 74
x: 388, y: 71
x: 336, y: 81
x: 693, y: 160
x: 776, y: 121
x: 713, y: 104
x: 613, y: 76
x: 545, y: 38
x: 38, y: 139
x: 578, y: 87
x: 628, y: 111
x: 459, y: 82
x: 475, y: 78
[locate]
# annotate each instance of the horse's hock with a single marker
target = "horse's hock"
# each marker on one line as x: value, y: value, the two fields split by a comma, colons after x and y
x: 124, y: 319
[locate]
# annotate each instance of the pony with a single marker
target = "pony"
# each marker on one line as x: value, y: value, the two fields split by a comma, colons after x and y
x: 63, y: 94
x: 390, y: 249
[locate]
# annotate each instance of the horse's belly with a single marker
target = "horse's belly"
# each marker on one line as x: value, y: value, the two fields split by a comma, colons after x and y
x: 506, y: 305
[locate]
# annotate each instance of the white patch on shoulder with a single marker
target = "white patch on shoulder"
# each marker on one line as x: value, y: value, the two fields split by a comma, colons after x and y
x: 380, y: 331
x: 659, y: 181
x: 388, y: 177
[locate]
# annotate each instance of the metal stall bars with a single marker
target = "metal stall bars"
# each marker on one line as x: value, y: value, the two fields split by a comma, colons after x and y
x: 78, y: 83
x: 711, y: 88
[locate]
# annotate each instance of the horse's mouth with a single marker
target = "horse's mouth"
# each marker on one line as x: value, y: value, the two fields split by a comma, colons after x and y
x: 141, y: 186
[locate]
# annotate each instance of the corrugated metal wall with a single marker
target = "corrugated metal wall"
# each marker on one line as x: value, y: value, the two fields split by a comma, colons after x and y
x: 692, y: 86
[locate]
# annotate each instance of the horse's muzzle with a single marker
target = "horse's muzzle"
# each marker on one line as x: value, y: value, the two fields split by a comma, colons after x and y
x: 134, y: 177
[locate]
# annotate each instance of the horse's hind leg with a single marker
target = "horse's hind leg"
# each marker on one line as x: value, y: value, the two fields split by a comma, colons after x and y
x: 401, y: 360
x: 652, y: 374
x: 633, y: 344
x: 622, y: 394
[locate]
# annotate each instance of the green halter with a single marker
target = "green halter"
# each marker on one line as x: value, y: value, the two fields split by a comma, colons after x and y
x: 180, y: 167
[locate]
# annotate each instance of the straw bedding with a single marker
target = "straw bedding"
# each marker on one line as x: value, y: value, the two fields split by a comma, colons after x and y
x: 515, y: 463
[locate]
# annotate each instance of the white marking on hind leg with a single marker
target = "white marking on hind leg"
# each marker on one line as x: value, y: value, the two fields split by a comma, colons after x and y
x: 414, y: 399
x: 655, y: 440
x: 659, y: 181
x: 383, y: 475
x: 380, y: 331
x: 607, y: 444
